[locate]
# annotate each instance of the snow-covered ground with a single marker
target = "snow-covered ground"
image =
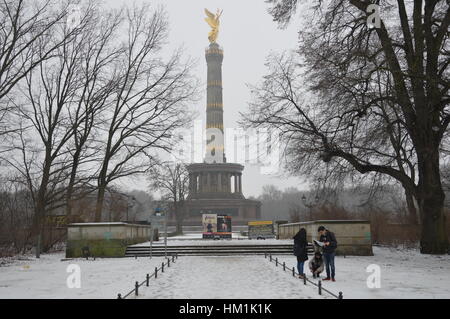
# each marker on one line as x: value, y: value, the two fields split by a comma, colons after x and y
x: 404, y: 274
x: 46, y: 277
x: 232, y: 277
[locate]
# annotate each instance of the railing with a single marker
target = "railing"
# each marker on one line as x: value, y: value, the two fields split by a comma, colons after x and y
x: 148, y: 276
x: 305, y: 280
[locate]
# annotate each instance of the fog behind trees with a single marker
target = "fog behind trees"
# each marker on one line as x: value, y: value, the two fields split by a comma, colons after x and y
x: 282, y: 204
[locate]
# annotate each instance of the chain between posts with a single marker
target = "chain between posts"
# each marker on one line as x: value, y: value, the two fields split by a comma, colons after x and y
x: 147, y: 278
x: 305, y: 280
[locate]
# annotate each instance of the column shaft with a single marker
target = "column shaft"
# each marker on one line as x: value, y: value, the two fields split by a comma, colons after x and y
x: 195, y: 183
x: 240, y: 183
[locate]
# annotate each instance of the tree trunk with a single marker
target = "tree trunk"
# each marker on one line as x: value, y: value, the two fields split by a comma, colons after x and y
x: 40, y: 206
x: 413, y: 217
x: 434, y: 237
x: 99, y: 205
x: 101, y: 185
x: 38, y: 221
x: 179, y: 216
x: 70, y: 186
x: 179, y: 227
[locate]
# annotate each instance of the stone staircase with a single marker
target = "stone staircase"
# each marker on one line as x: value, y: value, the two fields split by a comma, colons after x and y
x: 213, y: 250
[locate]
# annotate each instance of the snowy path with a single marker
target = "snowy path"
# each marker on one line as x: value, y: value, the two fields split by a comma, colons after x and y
x: 227, y: 277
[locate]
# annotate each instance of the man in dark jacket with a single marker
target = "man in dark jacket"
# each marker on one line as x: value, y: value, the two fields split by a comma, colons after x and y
x: 330, y: 243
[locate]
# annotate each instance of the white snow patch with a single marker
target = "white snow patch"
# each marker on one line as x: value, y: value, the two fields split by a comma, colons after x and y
x: 46, y: 277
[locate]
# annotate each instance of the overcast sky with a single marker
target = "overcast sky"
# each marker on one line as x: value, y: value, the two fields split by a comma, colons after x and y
x: 247, y: 35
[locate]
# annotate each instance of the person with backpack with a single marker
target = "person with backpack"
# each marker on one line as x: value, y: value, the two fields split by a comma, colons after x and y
x: 316, y: 265
x: 301, y: 250
x: 329, y: 251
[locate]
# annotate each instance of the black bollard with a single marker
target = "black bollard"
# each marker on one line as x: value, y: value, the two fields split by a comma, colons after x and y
x: 304, y: 279
x: 168, y: 262
x: 148, y: 278
x: 320, y: 287
x: 136, y: 288
x: 162, y: 267
x: 340, y: 295
x: 270, y: 258
x: 293, y: 271
x: 284, y: 266
x: 156, y: 272
x: 276, y: 261
x: 119, y: 296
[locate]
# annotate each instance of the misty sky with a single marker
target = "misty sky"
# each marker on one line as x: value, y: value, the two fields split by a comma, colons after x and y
x: 247, y: 35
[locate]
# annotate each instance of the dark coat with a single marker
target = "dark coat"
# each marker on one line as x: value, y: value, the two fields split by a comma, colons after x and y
x: 301, y: 246
x: 316, y: 264
x: 330, y: 237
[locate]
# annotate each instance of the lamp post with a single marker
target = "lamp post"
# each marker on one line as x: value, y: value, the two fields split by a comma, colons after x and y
x: 165, y: 231
x: 310, y: 204
x: 156, y: 222
x: 128, y: 204
x: 164, y: 213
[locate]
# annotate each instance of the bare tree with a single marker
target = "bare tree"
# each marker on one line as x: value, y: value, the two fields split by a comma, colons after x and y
x: 26, y: 27
x: 271, y: 192
x: 46, y: 119
x: 149, y: 101
x: 16, y: 212
x: 296, y: 213
x: 96, y: 86
x: 172, y: 180
x: 375, y: 99
x: 95, y: 105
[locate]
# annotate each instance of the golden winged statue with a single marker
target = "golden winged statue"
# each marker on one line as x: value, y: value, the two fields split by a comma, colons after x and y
x: 213, y: 21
